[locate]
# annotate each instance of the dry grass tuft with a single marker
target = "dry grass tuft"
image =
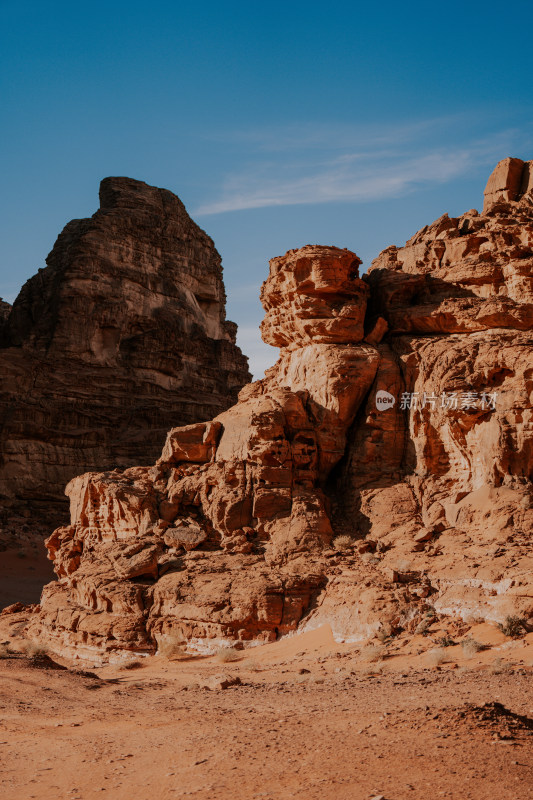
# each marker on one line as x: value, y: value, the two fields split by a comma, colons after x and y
x: 384, y: 633
x: 370, y: 558
x: 170, y: 645
x: 31, y: 649
x: 437, y: 656
x: 373, y: 669
x: 132, y: 665
x: 251, y: 666
x: 498, y: 666
x: 470, y: 647
x: 227, y: 654
x: 372, y: 652
x: 343, y: 542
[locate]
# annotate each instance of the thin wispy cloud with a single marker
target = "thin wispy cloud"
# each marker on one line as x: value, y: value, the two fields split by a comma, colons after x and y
x: 325, y: 169
x: 305, y: 136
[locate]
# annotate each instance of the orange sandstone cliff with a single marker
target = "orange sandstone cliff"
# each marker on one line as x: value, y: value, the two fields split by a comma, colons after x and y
x: 398, y: 414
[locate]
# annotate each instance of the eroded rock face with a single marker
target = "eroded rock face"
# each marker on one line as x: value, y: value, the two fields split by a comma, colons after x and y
x: 445, y: 485
x: 228, y: 536
x: 512, y: 180
x: 252, y: 481
x: 122, y: 335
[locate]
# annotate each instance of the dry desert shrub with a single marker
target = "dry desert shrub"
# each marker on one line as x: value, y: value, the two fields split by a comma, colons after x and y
x: 227, y: 654
x: 343, y: 542
x: 373, y: 669
x: 370, y: 558
x: 385, y: 632
x: 513, y: 626
x: 132, y: 665
x: 372, y: 652
x: 31, y: 649
x: 470, y: 647
x: 251, y: 666
x: 498, y: 666
x: 446, y: 641
x: 437, y: 656
x: 170, y: 645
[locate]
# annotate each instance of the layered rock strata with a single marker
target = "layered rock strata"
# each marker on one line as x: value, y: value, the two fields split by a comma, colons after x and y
x: 120, y: 336
x: 223, y: 538
x: 399, y: 413
x: 440, y: 483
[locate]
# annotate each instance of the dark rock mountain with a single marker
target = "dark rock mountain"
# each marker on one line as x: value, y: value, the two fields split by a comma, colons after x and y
x: 120, y: 336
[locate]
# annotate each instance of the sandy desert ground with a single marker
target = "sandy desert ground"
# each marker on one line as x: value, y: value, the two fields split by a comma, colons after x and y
x: 304, y: 718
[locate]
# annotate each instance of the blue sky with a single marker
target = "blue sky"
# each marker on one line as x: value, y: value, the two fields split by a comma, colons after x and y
x: 278, y: 124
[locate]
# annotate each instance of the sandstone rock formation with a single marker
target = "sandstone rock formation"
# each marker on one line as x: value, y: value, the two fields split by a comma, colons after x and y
x: 512, y: 180
x: 443, y: 488
x: 228, y: 536
x: 122, y: 335
x: 223, y: 538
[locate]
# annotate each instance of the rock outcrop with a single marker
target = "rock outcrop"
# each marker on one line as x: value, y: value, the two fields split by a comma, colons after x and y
x: 441, y: 481
x: 122, y: 335
x: 399, y: 413
x: 224, y: 537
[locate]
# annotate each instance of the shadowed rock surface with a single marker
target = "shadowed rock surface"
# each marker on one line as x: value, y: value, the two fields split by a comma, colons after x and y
x: 443, y: 488
x: 229, y: 536
x: 122, y: 334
